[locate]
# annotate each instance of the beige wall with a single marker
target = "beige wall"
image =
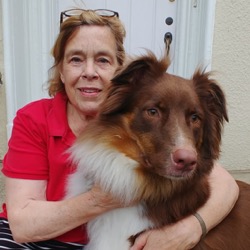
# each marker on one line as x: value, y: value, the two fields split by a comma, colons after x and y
x: 3, y: 120
x: 231, y: 60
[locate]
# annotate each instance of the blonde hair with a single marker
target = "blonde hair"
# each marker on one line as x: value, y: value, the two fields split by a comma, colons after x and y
x: 68, y: 29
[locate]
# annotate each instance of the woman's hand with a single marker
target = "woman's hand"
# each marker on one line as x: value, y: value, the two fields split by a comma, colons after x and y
x: 182, y: 235
x: 103, y: 200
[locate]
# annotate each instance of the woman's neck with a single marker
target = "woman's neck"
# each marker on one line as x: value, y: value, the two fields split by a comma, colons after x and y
x: 77, y: 121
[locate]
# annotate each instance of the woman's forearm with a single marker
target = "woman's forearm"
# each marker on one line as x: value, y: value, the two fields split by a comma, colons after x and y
x: 32, y: 218
x: 42, y: 220
x: 224, y: 194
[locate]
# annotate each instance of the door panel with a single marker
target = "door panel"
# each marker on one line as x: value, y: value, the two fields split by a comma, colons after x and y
x: 144, y: 21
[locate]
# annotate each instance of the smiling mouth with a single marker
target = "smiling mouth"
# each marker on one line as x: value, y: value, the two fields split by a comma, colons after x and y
x: 90, y: 90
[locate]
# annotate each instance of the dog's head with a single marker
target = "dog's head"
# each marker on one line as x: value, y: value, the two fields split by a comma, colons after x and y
x: 176, y: 123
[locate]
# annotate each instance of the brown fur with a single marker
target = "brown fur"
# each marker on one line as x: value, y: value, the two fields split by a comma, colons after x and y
x: 172, y: 127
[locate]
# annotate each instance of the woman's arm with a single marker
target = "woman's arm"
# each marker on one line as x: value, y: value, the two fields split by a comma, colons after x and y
x: 224, y: 194
x: 186, y: 233
x: 32, y: 218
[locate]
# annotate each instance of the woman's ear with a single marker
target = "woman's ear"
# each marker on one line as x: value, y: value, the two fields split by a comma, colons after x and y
x: 62, y: 77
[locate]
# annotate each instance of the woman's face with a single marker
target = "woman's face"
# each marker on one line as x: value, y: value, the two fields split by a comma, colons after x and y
x: 89, y: 64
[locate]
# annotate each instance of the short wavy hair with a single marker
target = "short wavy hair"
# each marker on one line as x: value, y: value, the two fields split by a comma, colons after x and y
x: 68, y: 29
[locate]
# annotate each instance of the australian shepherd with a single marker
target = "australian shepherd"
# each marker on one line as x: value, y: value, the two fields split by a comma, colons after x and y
x: 155, y: 141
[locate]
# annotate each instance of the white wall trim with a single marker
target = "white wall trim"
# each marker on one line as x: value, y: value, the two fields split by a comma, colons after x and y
x: 27, y: 38
x: 8, y: 67
x: 194, y: 35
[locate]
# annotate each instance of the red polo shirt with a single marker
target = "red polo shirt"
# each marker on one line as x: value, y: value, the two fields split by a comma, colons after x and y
x: 37, y: 146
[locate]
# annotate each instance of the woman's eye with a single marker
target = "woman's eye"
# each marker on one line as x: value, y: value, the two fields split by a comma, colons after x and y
x: 152, y: 112
x: 76, y: 59
x: 103, y: 60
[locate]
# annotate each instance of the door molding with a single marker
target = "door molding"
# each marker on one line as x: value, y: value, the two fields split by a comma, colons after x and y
x: 194, y: 36
x: 28, y: 35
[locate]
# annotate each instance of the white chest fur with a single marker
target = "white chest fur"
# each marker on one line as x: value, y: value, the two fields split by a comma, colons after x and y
x: 115, y: 173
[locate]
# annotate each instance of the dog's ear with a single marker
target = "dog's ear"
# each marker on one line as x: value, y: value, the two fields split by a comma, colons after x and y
x: 139, y: 67
x: 129, y: 79
x: 213, y: 101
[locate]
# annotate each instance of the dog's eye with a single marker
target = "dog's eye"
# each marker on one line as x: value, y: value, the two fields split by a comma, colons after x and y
x: 195, y: 118
x: 152, y: 112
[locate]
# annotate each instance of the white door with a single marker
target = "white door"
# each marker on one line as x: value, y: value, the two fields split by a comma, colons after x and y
x: 144, y: 21
x: 30, y: 28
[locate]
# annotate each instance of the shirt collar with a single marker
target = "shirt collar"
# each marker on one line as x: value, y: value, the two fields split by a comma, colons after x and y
x: 57, y: 116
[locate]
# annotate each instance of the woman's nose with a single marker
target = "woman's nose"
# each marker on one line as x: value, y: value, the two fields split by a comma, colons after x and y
x: 89, y: 70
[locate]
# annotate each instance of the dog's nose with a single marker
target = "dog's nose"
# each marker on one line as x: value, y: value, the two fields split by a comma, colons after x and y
x: 184, y: 159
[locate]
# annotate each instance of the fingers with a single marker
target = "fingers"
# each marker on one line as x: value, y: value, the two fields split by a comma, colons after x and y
x: 140, y: 241
x: 103, y: 199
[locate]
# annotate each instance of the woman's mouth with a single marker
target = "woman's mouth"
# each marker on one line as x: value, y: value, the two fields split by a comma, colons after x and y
x: 90, y: 91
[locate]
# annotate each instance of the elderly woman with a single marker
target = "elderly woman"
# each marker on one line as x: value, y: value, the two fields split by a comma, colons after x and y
x: 87, y: 52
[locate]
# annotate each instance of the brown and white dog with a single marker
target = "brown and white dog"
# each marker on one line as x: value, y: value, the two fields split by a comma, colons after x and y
x: 155, y: 140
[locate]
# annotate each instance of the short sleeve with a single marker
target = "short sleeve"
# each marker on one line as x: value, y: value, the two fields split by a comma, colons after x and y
x: 27, y: 154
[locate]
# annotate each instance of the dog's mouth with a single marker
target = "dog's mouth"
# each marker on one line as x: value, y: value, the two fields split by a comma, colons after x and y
x: 170, y: 172
x: 173, y: 174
